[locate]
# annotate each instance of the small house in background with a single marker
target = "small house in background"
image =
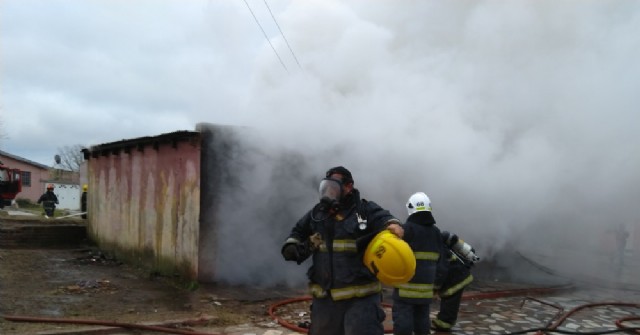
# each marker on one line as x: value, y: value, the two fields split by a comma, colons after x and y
x: 36, y: 176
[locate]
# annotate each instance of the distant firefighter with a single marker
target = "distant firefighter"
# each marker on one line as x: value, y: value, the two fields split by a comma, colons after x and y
x: 621, y: 235
x: 49, y: 201
x: 83, y: 201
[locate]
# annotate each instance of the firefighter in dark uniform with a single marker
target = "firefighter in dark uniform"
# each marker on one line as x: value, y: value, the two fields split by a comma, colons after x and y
x: 83, y: 201
x: 411, y: 300
x: 49, y: 201
x: 461, y: 257
x: 347, y: 298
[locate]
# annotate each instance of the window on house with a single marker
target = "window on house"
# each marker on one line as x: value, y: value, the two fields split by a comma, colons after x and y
x: 26, y: 178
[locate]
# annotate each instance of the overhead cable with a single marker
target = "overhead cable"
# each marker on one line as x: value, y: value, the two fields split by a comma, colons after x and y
x: 265, y: 36
x: 281, y: 33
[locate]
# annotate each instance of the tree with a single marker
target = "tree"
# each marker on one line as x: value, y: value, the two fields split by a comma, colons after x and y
x: 70, y: 157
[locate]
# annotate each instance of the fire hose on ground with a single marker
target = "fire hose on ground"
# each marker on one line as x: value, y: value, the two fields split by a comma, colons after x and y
x: 551, y: 327
x: 619, y: 322
x: 114, y: 324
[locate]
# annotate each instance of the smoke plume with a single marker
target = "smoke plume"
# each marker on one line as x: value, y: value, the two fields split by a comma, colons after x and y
x: 518, y: 119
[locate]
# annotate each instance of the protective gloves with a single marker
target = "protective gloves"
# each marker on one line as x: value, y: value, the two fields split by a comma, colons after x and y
x: 290, y: 252
x: 296, y: 251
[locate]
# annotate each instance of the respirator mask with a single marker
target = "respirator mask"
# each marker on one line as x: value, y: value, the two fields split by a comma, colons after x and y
x: 330, y: 194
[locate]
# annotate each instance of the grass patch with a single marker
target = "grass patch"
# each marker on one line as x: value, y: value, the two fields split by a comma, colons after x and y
x: 26, y: 205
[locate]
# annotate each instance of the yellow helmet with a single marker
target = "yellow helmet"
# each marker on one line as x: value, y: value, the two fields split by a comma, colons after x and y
x: 390, y: 259
x: 85, y: 187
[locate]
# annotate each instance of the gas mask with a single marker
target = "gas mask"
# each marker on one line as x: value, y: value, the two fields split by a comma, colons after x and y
x: 330, y: 193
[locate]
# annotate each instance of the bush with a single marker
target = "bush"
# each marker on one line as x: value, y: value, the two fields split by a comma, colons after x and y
x: 26, y: 203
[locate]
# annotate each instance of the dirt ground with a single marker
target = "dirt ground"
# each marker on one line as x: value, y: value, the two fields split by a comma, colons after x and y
x: 83, y: 283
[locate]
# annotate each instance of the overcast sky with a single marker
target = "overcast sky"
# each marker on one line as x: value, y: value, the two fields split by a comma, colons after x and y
x: 509, y: 114
x: 91, y: 72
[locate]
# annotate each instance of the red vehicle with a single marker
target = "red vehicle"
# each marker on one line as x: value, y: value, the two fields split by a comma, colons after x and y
x: 10, y: 185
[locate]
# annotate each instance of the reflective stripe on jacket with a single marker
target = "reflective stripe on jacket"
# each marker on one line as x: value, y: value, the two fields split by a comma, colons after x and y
x: 347, y: 292
x: 456, y: 287
x: 458, y: 277
x: 427, y: 256
x: 425, y: 240
x: 340, y: 246
x: 415, y: 291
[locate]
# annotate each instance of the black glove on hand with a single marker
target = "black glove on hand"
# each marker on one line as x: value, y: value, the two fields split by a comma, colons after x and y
x: 290, y: 252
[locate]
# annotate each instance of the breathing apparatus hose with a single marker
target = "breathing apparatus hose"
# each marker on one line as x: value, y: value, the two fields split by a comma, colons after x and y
x: 317, y: 209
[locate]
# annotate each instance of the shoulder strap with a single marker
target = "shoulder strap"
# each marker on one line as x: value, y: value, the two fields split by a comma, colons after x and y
x: 362, y: 209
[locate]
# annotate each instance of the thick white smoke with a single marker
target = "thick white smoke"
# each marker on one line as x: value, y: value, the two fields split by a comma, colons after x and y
x: 519, y: 119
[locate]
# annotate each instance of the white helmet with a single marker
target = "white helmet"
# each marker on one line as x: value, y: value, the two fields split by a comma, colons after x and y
x: 418, y: 202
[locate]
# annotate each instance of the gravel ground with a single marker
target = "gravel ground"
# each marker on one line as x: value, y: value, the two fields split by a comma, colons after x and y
x: 85, y: 284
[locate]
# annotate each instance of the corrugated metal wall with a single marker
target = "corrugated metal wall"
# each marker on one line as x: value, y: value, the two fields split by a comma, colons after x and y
x: 144, y: 200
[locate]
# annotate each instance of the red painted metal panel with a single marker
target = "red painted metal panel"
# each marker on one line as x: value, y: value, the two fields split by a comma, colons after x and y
x: 146, y: 199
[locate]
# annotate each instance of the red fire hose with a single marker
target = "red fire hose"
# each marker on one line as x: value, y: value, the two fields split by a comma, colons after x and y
x: 104, y: 323
x: 556, y: 324
x: 558, y: 307
x: 272, y: 312
x: 481, y: 295
x: 630, y: 318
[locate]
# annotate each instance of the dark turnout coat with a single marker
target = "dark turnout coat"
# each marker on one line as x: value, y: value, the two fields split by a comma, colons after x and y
x: 48, y: 199
x: 338, y: 270
x: 424, y: 238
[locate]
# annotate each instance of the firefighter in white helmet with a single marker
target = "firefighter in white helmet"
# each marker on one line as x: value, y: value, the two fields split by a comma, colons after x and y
x: 347, y: 296
x: 411, y: 300
x: 461, y: 257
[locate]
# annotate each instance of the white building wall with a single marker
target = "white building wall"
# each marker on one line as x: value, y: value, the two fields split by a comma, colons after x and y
x: 68, y: 195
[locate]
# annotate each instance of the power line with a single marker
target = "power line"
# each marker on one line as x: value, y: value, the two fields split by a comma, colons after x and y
x: 266, y: 37
x: 281, y: 33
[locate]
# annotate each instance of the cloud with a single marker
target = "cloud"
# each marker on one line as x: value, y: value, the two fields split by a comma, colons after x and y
x: 92, y: 72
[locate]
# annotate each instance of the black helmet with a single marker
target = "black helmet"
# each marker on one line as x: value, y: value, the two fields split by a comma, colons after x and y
x: 346, y: 175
